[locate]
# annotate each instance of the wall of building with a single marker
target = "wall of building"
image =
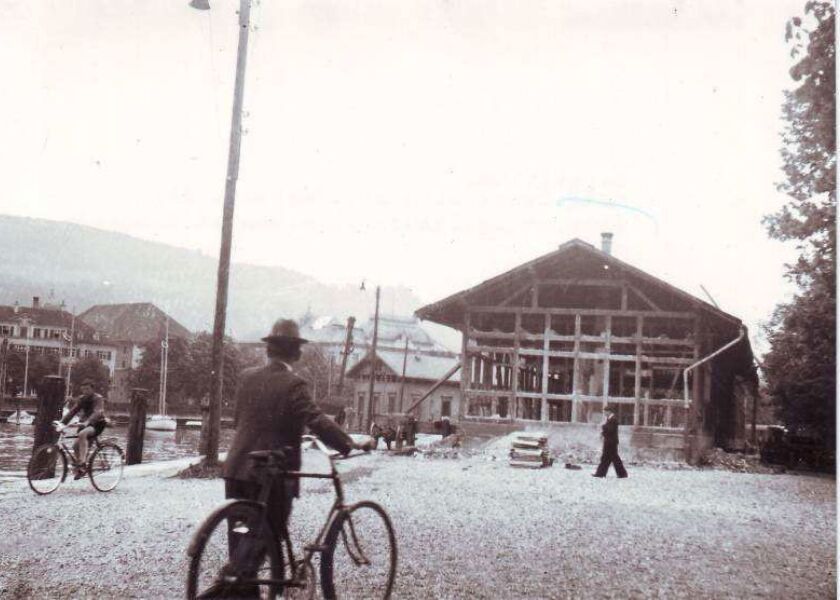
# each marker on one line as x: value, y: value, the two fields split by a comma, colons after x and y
x: 387, y: 406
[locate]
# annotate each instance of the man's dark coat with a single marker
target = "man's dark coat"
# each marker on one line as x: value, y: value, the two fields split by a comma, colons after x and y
x: 273, y: 406
x: 609, y: 454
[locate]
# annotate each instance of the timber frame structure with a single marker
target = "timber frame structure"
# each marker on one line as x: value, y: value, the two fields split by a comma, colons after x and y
x: 565, y: 335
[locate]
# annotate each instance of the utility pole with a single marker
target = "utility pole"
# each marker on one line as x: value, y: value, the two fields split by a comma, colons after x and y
x: 70, y: 358
x: 348, y: 349
x: 4, y: 349
x: 373, y: 361
x: 405, y: 363
x: 214, y: 415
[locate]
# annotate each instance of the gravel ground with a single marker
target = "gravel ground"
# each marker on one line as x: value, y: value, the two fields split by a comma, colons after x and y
x: 466, y: 528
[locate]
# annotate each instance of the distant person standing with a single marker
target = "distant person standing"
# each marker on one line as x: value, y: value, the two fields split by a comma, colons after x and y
x: 609, y: 453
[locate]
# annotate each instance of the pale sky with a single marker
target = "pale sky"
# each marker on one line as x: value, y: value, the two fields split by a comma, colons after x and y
x: 431, y: 144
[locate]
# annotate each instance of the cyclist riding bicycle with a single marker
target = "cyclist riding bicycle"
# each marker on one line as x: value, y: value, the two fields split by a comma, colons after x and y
x: 90, y: 407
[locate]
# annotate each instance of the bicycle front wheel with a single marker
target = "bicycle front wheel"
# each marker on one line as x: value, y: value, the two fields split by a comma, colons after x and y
x: 360, y: 558
x: 234, y: 555
x: 46, y: 469
x: 105, y: 467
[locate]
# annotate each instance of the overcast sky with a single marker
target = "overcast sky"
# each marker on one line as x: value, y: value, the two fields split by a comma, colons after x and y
x: 433, y: 144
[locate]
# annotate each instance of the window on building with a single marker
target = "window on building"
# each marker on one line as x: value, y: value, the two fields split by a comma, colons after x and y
x: 446, y: 406
x: 360, y: 408
x: 376, y: 406
x: 392, y: 403
x: 5, y: 330
x: 36, y: 332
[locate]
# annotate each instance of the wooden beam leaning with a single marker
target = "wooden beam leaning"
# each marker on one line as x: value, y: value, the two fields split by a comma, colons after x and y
x: 521, y: 290
x: 644, y: 297
x: 435, y: 386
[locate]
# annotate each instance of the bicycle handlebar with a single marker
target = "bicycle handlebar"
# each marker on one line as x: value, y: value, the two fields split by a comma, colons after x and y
x: 333, y: 455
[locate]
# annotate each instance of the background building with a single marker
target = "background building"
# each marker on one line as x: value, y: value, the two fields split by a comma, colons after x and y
x: 558, y: 339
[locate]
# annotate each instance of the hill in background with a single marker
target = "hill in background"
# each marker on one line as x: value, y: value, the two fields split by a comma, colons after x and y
x: 83, y: 266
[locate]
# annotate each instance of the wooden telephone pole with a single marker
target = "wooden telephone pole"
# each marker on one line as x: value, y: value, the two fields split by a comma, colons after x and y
x: 373, y: 361
x: 214, y: 415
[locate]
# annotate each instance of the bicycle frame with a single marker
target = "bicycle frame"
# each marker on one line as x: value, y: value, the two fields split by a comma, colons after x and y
x: 270, y: 473
x: 70, y: 454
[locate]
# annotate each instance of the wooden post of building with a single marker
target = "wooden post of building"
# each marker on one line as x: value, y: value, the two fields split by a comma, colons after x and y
x: 545, y: 365
x: 576, y: 373
x: 466, y: 370
x: 136, y: 426
x: 513, y: 406
x: 50, y: 401
x: 637, y: 385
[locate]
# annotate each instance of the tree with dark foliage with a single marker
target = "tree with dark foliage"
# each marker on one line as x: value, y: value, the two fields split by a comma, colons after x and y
x: 800, y: 367
x: 188, y: 376
x: 91, y: 368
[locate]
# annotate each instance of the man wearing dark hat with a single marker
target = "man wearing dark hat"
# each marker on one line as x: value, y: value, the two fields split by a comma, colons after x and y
x: 90, y: 407
x: 273, y: 406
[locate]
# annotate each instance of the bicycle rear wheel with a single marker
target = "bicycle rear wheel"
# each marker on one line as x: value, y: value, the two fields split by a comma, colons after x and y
x: 105, y: 466
x: 46, y: 469
x: 360, y: 558
x: 234, y: 554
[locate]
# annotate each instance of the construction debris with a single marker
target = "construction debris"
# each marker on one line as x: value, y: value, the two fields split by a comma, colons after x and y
x: 530, y: 450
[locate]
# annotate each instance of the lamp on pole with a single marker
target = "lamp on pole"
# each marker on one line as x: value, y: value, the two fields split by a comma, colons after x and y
x: 373, y: 359
x: 211, y: 444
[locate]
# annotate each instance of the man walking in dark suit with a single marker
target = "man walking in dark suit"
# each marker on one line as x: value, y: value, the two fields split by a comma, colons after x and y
x: 273, y: 406
x: 609, y: 454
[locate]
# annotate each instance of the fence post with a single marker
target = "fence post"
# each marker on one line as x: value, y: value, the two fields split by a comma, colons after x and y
x: 136, y: 426
x: 50, y: 401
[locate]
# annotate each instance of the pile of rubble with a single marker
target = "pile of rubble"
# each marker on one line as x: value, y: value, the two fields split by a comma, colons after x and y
x: 734, y: 461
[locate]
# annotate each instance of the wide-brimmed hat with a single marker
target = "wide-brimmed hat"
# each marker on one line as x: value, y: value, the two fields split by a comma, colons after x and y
x: 285, y: 330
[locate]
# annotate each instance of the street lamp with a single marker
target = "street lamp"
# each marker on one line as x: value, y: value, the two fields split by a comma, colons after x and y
x: 372, y: 358
x: 211, y: 443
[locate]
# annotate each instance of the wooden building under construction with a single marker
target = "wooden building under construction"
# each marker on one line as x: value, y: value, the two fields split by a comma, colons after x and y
x: 558, y: 339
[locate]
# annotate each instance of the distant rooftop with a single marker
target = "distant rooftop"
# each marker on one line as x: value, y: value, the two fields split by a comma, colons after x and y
x: 137, y: 322
x: 417, y: 365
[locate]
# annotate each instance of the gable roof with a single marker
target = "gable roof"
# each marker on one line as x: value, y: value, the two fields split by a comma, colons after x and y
x: 49, y: 317
x: 430, y: 367
x: 450, y: 310
x: 137, y: 322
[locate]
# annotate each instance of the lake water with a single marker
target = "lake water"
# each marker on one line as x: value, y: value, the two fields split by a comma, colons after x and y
x: 16, y: 444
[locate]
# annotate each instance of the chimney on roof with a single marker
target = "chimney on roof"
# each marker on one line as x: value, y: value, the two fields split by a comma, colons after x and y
x: 16, y: 308
x: 36, y: 302
x: 606, y: 242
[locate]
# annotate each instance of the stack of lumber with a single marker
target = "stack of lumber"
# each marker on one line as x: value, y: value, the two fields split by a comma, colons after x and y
x: 529, y: 449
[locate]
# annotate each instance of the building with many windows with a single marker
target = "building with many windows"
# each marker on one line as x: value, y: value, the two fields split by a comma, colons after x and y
x: 51, y: 330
